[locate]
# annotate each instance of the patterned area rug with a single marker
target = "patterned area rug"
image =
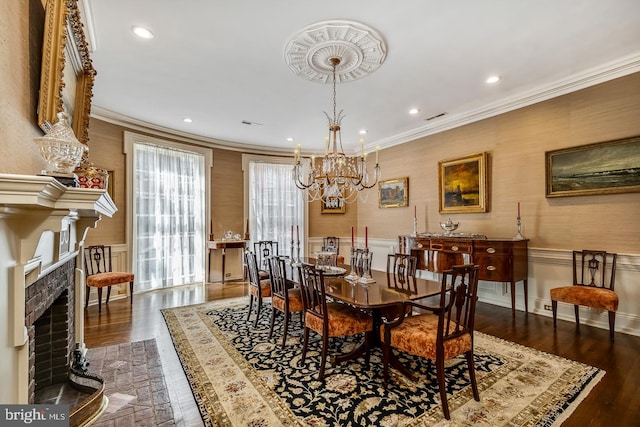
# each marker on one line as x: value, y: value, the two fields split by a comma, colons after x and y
x: 134, y: 385
x: 241, y: 378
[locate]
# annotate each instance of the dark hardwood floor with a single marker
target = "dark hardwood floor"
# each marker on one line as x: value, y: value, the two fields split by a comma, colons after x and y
x: 615, y: 401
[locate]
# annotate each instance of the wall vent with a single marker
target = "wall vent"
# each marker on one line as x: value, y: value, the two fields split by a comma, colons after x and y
x: 436, y: 116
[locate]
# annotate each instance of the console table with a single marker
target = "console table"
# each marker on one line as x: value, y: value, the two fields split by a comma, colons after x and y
x: 499, y: 260
x: 222, y: 246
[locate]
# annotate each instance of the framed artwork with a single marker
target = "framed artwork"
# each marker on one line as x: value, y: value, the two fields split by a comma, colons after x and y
x: 393, y: 193
x: 600, y: 168
x: 67, y: 75
x: 463, y: 184
x: 332, y: 205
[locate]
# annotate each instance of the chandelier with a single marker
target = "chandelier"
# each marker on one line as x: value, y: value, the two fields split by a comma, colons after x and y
x: 336, y: 178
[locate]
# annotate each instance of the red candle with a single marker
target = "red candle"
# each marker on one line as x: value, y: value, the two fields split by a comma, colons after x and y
x: 415, y: 211
x: 518, y: 209
x: 292, y: 232
x: 352, y: 238
x: 298, y: 233
x: 366, y: 237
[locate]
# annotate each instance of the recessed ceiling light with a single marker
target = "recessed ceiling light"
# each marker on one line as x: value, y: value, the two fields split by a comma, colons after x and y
x: 142, y: 32
x: 414, y: 111
x: 493, y: 79
x: 289, y: 139
x: 187, y: 120
x: 363, y: 132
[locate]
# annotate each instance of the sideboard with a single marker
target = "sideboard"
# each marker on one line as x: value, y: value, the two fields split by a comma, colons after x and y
x: 499, y: 260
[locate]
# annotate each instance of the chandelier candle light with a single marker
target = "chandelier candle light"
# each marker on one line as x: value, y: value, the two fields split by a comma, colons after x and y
x: 336, y: 178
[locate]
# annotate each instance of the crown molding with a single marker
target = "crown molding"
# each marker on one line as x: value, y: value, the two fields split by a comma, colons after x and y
x: 601, y: 74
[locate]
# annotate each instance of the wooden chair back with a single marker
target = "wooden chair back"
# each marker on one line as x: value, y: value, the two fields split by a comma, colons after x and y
x: 594, y: 268
x: 458, y: 298
x: 252, y: 267
x: 278, y: 276
x: 263, y: 250
x: 313, y: 294
x: 401, y: 268
x: 97, y: 259
x: 331, y: 244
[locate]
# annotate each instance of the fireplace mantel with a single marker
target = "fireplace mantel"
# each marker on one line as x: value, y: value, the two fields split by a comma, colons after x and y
x: 43, y: 224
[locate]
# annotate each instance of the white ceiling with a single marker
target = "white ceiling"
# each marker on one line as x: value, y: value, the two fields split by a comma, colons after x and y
x: 221, y: 62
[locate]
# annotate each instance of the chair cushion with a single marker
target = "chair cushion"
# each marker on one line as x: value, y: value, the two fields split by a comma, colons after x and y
x: 586, y: 295
x: 263, y: 274
x: 343, y: 320
x: 107, y: 279
x: 295, y: 301
x: 417, y: 335
x: 265, y: 287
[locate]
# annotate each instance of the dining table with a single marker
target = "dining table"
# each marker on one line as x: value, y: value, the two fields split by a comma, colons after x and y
x: 377, y: 297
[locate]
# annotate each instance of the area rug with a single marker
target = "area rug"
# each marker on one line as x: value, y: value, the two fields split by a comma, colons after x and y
x: 134, y: 385
x: 241, y: 378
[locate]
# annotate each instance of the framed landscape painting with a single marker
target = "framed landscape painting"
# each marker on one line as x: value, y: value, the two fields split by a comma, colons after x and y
x: 600, y: 168
x: 463, y: 184
x: 393, y: 193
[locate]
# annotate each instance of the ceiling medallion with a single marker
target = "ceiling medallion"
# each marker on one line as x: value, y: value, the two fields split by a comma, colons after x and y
x: 360, y: 48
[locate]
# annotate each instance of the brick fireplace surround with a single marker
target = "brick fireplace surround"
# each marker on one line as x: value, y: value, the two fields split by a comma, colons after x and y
x: 49, y: 318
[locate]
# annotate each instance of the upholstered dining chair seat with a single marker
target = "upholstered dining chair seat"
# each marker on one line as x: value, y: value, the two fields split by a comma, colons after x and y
x: 344, y: 320
x: 265, y: 289
x: 418, y: 334
x: 586, y: 295
x: 101, y: 280
x: 295, y: 301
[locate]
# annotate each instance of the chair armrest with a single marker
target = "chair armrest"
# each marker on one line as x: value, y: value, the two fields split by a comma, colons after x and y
x: 434, y: 310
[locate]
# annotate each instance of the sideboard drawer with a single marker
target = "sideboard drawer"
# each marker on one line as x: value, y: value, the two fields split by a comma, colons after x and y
x: 453, y: 246
x: 496, y: 268
x: 493, y: 247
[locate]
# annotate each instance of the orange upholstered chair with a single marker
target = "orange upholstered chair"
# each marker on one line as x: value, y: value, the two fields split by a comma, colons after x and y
x: 284, y: 297
x: 99, y: 271
x: 329, y: 319
x: 594, y: 276
x: 439, y: 334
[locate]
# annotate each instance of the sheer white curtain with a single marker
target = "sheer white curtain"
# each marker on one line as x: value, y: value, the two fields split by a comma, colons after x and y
x: 168, y: 216
x: 275, y: 205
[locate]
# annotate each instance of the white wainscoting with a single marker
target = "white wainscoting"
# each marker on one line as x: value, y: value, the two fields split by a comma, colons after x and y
x: 548, y: 268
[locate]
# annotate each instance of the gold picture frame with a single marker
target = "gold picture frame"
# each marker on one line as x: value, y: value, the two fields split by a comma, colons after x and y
x: 601, y: 168
x: 332, y: 205
x: 67, y: 75
x: 393, y: 193
x: 463, y: 184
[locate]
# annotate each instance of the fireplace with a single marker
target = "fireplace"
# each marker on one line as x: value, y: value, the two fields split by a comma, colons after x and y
x: 49, y: 318
x: 43, y: 225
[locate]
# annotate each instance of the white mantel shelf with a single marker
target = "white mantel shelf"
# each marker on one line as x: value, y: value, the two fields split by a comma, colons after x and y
x: 43, y: 224
x: 45, y: 192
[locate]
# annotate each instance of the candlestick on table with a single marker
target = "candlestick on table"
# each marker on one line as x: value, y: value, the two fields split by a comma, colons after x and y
x: 366, y: 237
x: 518, y: 209
x: 352, y: 238
x: 298, y: 233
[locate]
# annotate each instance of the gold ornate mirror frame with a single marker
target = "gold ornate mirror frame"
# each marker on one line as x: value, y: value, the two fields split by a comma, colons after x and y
x: 67, y: 77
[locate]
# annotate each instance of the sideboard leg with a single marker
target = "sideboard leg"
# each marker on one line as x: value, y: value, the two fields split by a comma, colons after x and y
x: 513, y: 299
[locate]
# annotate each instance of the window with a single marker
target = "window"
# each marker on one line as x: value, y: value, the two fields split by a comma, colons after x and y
x: 168, y: 214
x: 276, y: 207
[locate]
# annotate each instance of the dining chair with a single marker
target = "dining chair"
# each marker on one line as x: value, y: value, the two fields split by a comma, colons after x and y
x: 332, y: 244
x: 439, y: 333
x: 329, y: 319
x: 594, y: 277
x: 259, y: 289
x: 401, y: 276
x: 284, y: 297
x: 263, y: 249
x: 99, y: 271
